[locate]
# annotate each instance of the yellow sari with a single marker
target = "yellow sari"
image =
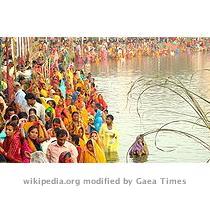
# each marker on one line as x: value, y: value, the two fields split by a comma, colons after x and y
x: 56, y: 98
x: 70, y: 76
x: 110, y: 138
x: 83, y: 140
x: 31, y: 145
x: 84, y: 116
x: 27, y: 125
x: 46, y: 105
x: 97, y: 156
x: 44, y: 93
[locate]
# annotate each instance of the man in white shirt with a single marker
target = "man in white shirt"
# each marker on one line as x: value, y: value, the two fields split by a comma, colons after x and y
x: 32, y: 103
x: 57, y: 147
x: 20, y: 96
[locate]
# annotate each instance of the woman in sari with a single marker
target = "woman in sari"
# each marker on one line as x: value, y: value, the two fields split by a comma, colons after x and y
x: 61, y: 110
x: 31, y: 144
x: 48, y: 119
x: 102, y: 102
x: 75, y: 124
x: 93, y: 153
x: 56, y: 123
x: 95, y: 136
x: 33, y: 120
x: 139, y: 148
x: 109, y: 135
x: 82, y: 136
x: 98, y: 120
x: 91, y: 108
x: 49, y: 104
x: 11, y: 147
x: 80, y: 105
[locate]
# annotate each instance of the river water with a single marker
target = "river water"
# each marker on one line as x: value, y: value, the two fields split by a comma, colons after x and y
x: 114, y: 80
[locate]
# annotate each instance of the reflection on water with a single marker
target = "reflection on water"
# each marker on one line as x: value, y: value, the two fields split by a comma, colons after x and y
x: 112, y: 157
x: 114, y: 81
x: 140, y: 159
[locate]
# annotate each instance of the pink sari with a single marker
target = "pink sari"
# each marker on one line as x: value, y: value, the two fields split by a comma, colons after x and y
x: 12, y: 146
x: 26, y: 148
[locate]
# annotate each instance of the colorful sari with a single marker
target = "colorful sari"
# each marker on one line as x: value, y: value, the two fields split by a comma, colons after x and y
x: 97, y: 156
x: 12, y: 146
x: 109, y: 138
x: 47, y: 106
x: 83, y: 140
x: 29, y: 146
x: 98, y: 120
x: 27, y: 125
x: 84, y: 116
x: 74, y: 127
x: 103, y: 103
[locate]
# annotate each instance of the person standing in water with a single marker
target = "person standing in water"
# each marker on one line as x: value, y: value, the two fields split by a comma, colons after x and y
x: 109, y: 135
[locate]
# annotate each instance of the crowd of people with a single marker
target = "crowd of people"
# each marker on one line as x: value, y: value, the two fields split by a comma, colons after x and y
x: 50, y: 108
x: 54, y: 115
x: 89, y: 51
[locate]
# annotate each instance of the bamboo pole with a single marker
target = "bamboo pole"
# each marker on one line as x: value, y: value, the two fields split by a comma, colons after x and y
x: 13, y: 56
x: 28, y: 52
x: 7, y: 75
x: 17, y: 46
x: 22, y: 46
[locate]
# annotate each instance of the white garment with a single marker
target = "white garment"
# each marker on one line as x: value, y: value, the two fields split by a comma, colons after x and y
x: 40, y: 109
x: 54, y: 151
x: 20, y: 99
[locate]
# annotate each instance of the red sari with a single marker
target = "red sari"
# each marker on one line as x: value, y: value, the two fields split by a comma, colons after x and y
x: 91, y: 111
x: 103, y: 104
x: 12, y: 146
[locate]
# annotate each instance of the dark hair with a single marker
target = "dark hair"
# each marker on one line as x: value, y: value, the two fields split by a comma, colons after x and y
x: 21, y: 78
x: 32, y: 109
x: 110, y: 116
x: 56, y: 120
x: 75, y: 139
x: 32, y: 128
x: 81, y: 128
x: 30, y: 117
x: 61, y: 133
x: 14, y: 118
x: 49, y: 114
x: 8, y: 109
x: 39, y: 100
x: 63, y: 156
x: 89, y: 142
x: 13, y: 124
x: 74, y: 113
x: 2, y: 159
x: 78, y: 89
x: 34, y: 62
x: 53, y: 102
x: 1, y: 107
x: 98, y: 105
x: 30, y: 96
x: 93, y: 132
x: 22, y: 115
x: 56, y: 130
